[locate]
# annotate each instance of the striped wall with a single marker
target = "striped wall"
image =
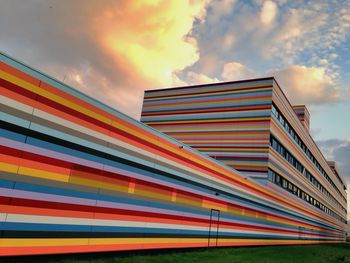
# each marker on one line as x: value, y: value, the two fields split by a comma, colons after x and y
x: 228, y: 121
x: 78, y: 176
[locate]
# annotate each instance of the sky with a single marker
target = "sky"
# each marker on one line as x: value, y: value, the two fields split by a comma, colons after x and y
x: 114, y: 50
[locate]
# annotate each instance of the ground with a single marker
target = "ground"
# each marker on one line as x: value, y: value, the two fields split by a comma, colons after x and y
x: 296, y: 254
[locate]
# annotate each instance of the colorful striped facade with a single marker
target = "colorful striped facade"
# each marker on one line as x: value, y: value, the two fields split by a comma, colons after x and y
x: 230, y: 123
x: 79, y: 176
x: 251, y: 126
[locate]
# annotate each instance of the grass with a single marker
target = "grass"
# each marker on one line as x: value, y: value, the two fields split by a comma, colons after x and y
x: 296, y: 254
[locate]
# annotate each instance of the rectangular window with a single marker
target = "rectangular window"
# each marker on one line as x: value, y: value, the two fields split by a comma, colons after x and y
x: 282, y: 121
x: 295, y: 190
x: 274, y: 144
x: 271, y: 176
x: 274, y: 111
x: 278, y: 179
x: 284, y: 183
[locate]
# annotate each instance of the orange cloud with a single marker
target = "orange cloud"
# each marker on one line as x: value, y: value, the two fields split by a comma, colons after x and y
x: 310, y: 85
x: 126, y: 47
x: 152, y: 38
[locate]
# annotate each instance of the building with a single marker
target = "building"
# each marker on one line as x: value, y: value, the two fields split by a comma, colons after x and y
x: 251, y: 126
x: 79, y: 176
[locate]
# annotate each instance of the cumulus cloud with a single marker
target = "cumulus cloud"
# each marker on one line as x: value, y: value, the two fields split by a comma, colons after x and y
x: 330, y: 148
x: 235, y: 71
x: 112, y: 50
x: 218, y: 9
x: 199, y: 78
x: 339, y: 151
x: 154, y: 39
x: 255, y: 35
x: 307, y: 85
x: 341, y: 155
x: 268, y: 12
x: 296, y: 36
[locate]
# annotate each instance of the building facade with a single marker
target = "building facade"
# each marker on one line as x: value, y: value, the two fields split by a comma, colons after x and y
x: 251, y: 126
x: 79, y: 176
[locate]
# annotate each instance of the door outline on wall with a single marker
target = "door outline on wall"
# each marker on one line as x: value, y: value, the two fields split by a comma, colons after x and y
x: 301, y: 233
x: 214, y: 228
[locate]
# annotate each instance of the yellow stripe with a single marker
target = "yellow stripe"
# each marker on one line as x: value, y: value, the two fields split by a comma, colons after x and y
x: 98, y: 184
x: 25, y: 242
x: 9, y: 168
x: 43, y: 174
x: 28, y: 242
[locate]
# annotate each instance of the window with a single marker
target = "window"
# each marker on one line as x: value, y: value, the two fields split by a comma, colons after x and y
x: 297, y: 139
x: 271, y: 176
x: 277, y: 146
x: 274, y: 111
x: 278, y: 179
x: 284, y: 183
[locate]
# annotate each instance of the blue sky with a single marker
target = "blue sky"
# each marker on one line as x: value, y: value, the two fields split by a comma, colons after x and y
x: 114, y: 50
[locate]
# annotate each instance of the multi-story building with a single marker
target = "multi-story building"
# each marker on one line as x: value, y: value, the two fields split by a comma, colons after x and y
x: 79, y: 176
x: 251, y: 126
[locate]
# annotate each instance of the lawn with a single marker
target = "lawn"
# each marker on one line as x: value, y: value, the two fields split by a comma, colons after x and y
x: 296, y: 254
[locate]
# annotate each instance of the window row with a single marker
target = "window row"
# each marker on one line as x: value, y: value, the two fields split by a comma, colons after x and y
x: 290, y: 187
x: 275, y: 144
x: 297, y: 139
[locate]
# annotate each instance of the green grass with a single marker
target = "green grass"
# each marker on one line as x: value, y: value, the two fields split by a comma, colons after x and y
x: 296, y: 254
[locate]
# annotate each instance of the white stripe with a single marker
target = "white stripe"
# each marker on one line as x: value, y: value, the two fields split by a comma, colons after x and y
x: 15, y: 104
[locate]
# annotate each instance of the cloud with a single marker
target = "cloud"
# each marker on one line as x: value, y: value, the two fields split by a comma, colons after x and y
x: 219, y: 9
x: 307, y: 85
x: 154, y: 39
x: 228, y: 41
x: 330, y: 146
x: 341, y: 155
x: 121, y: 48
x: 339, y: 151
x: 296, y: 37
x: 254, y: 34
x: 268, y: 12
x: 111, y: 50
x: 198, y: 78
x: 235, y: 71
